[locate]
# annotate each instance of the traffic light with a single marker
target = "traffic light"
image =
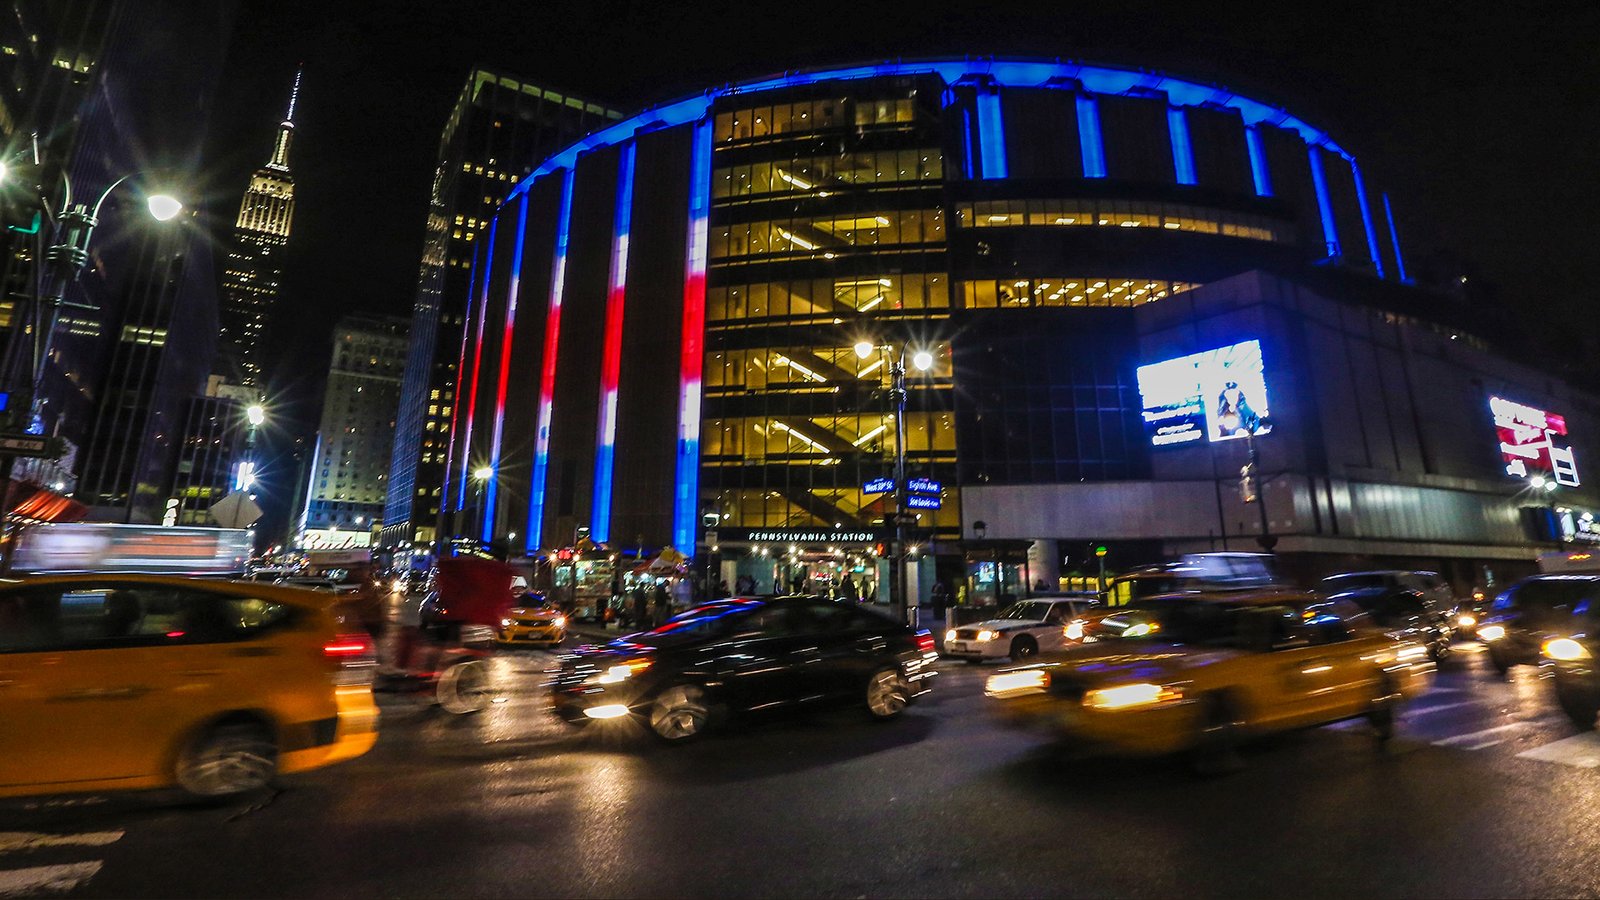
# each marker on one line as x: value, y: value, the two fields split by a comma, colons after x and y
x: 1100, y: 551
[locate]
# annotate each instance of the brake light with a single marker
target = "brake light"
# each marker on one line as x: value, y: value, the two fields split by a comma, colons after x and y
x: 925, y: 642
x: 355, y: 658
x: 348, y: 646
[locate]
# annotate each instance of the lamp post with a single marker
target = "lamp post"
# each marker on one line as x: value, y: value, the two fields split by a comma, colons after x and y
x: 481, y: 476
x: 1251, y: 484
x: 923, y: 361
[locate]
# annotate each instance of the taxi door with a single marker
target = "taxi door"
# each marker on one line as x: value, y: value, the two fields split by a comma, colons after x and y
x: 1300, y: 681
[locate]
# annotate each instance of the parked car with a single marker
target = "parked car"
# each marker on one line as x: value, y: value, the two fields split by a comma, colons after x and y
x: 740, y: 655
x: 125, y: 681
x: 1531, y: 612
x: 1200, y: 674
x: 1418, y: 606
x: 1021, y: 630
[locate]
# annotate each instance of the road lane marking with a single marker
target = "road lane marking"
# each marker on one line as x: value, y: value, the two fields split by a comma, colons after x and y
x: 1582, y: 751
x: 13, y: 841
x: 1475, y: 735
x: 46, y: 879
x: 1421, y: 710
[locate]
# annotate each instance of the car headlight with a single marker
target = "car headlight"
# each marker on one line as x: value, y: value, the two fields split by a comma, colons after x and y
x: 949, y: 635
x: 505, y: 623
x: 1492, y: 632
x: 559, y: 621
x: 1466, y: 620
x: 1008, y: 683
x: 987, y: 635
x: 1565, y: 650
x: 622, y: 671
x: 1073, y: 631
x: 1128, y: 696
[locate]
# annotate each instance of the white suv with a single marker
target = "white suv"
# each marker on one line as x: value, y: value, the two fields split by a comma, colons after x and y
x: 1023, y: 629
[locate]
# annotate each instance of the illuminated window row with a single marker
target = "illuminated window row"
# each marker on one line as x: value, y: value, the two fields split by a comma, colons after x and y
x: 1066, y: 291
x: 1120, y: 214
x: 824, y: 237
x: 822, y: 440
x: 802, y: 369
x: 754, y: 507
x: 824, y: 176
x: 766, y: 122
x: 825, y: 299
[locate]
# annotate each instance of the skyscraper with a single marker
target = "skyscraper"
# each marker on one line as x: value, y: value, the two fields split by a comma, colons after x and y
x: 500, y: 128
x: 349, y: 474
x: 254, y: 272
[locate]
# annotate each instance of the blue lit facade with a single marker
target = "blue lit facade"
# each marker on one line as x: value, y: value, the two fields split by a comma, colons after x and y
x: 710, y: 266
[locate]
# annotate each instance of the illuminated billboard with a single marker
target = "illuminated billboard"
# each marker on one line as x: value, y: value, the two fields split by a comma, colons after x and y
x: 132, y: 548
x: 1533, y: 442
x: 1214, y: 395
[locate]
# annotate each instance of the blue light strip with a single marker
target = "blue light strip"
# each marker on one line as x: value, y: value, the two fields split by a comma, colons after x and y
x: 1319, y: 178
x: 1258, y: 162
x: 1366, y: 218
x: 611, y: 351
x: 1394, y: 236
x: 547, y: 373
x: 1182, y: 151
x: 1089, y: 142
x: 1001, y: 73
x: 686, y: 497
x: 969, y: 151
x: 991, y: 134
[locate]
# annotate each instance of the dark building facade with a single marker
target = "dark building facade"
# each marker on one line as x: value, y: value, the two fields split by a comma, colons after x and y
x: 500, y: 128
x: 696, y: 311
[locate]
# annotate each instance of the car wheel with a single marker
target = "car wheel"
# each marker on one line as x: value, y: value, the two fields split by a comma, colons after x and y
x: 1440, y: 650
x: 1023, y: 648
x: 1581, y: 711
x: 888, y: 694
x: 680, y: 713
x: 1216, y: 747
x: 464, y: 687
x: 1501, y: 665
x: 1381, y: 714
x: 228, y: 760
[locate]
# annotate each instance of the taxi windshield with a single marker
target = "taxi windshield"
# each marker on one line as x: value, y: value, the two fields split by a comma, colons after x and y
x: 1027, y: 610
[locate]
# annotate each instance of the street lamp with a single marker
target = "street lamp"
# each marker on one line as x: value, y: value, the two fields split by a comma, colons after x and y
x: 922, y: 360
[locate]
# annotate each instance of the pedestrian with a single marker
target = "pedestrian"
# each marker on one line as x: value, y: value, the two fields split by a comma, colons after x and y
x: 658, y: 608
x: 847, y: 590
x: 721, y: 592
x: 641, y: 607
x: 940, y: 596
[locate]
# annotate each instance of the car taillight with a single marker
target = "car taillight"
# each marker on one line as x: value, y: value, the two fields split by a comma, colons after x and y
x: 354, y: 656
x: 925, y: 642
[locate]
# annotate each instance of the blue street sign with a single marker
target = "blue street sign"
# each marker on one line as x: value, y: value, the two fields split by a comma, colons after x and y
x: 878, y: 486
x: 918, y: 501
x: 924, y: 486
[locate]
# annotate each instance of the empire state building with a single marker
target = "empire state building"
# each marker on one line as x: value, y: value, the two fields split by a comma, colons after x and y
x: 254, y: 273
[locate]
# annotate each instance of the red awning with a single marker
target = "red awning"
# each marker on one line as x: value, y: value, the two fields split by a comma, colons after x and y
x: 36, y: 504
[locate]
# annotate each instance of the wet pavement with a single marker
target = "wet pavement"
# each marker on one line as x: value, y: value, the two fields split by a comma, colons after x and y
x: 1487, y: 792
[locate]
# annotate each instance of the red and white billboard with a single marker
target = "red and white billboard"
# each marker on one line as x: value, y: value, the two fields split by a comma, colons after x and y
x: 1533, y: 442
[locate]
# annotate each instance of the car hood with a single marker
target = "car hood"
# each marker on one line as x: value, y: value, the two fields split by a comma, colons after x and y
x: 533, y: 611
x: 1005, y: 624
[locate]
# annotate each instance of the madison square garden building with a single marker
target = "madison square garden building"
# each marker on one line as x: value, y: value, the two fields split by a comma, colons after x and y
x: 1124, y: 280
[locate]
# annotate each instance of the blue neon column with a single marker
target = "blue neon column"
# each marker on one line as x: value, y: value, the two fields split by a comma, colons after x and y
x: 512, y: 292
x: 991, y: 133
x: 1093, y: 149
x: 478, y: 265
x: 1182, y: 150
x: 970, y: 148
x: 1394, y: 237
x: 1258, y: 161
x: 487, y: 527
x: 1366, y: 218
x: 611, y: 354
x: 547, y: 375
x: 1319, y: 179
x: 686, y: 497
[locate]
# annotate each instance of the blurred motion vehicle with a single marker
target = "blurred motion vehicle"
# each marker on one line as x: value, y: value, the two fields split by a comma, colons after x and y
x: 1201, y: 674
x: 745, y: 655
x: 448, y: 652
x: 1417, y: 606
x: 1531, y: 612
x: 1193, y: 573
x: 139, y: 681
x: 1571, y: 660
x: 1021, y: 630
x: 532, y: 621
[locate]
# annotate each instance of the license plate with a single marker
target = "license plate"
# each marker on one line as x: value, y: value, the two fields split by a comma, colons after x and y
x: 956, y: 646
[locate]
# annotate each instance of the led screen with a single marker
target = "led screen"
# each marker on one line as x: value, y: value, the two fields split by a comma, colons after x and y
x: 1533, y: 442
x: 1215, y: 395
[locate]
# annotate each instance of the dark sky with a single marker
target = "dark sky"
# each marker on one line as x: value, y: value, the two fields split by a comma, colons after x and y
x: 1480, y: 119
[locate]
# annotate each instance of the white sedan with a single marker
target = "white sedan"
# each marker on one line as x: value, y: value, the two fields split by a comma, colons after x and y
x: 1020, y: 631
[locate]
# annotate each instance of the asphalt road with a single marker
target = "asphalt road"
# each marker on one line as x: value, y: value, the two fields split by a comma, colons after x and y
x: 1488, y: 792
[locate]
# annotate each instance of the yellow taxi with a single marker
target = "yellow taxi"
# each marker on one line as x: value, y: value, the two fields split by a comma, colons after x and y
x: 148, y: 681
x: 1200, y: 673
x: 532, y: 625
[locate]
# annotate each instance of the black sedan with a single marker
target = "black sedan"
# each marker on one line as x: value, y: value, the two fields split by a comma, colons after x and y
x: 741, y: 655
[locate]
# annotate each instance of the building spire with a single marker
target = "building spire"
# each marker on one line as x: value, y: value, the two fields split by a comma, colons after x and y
x: 280, y: 148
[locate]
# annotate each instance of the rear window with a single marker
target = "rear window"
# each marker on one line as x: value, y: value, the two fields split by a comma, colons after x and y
x: 1545, y: 598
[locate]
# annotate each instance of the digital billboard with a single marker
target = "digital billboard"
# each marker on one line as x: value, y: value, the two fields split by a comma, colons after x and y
x: 1214, y: 395
x: 1533, y: 442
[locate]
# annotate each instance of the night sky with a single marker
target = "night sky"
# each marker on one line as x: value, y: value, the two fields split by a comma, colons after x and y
x: 1479, y: 119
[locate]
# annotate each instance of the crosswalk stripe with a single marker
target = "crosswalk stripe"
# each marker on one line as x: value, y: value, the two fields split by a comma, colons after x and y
x: 12, y: 841
x: 1424, y: 710
x: 46, y: 879
x: 1581, y: 750
x: 1475, y: 735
